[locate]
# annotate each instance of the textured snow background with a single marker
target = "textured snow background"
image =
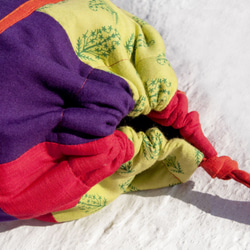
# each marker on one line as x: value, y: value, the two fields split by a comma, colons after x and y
x: 208, y: 45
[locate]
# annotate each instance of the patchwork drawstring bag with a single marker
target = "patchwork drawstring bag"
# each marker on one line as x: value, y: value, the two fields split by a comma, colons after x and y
x: 90, y: 110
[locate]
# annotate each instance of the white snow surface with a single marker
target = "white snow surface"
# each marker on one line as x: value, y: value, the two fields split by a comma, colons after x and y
x: 208, y: 45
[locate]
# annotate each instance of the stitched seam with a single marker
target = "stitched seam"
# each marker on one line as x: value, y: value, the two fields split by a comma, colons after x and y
x: 97, y: 67
x: 83, y: 84
x: 145, y: 58
x: 111, y: 65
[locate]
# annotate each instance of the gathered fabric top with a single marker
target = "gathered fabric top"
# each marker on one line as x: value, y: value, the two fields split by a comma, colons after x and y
x: 71, y: 71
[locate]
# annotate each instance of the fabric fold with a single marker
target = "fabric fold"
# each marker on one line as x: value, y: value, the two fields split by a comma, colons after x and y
x: 156, y: 163
x: 176, y: 115
x: 48, y: 94
x: 225, y: 168
x: 59, y: 174
x: 126, y: 46
x: 70, y: 73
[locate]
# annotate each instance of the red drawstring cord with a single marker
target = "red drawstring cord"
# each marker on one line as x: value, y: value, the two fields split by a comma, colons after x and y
x: 176, y: 115
x: 225, y: 168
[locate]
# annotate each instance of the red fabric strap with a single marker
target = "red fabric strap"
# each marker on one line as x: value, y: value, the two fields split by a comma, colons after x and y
x: 47, y: 218
x: 22, y: 12
x: 52, y: 177
x: 176, y: 115
x: 225, y: 168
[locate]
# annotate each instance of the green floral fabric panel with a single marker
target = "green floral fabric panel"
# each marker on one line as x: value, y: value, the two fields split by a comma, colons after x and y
x: 96, y: 5
x: 97, y: 44
x: 91, y: 203
x: 110, y: 39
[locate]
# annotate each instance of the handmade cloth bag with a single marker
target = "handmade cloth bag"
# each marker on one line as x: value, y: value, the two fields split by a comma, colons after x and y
x: 88, y: 100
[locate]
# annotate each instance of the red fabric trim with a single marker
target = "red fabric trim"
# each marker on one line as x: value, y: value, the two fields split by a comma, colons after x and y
x: 225, y: 168
x: 52, y: 177
x: 22, y: 12
x: 176, y: 115
x: 47, y: 218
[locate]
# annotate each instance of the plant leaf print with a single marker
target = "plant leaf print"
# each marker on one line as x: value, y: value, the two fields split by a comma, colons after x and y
x: 131, y: 189
x: 139, y: 106
x: 126, y: 168
x: 173, y: 164
x: 157, y: 88
x: 136, y: 42
x: 139, y: 21
x: 198, y: 157
x: 152, y: 144
x: 91, y: 203
x: 98, y: 43
x: 96, y: 5
x: 129, y: 45
x: 126, y: 184
x: 47, y: 6
x: 162, y: 60
x: 142, y: 42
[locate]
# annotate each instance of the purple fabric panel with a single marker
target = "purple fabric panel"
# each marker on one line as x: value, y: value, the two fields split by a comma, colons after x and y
x: 48, y: 94
x: 8, y: 6
x: 6, y: 217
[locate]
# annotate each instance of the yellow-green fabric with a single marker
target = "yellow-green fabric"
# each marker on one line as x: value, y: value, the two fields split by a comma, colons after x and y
x: 157, y: 163
x: 108, y: 38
